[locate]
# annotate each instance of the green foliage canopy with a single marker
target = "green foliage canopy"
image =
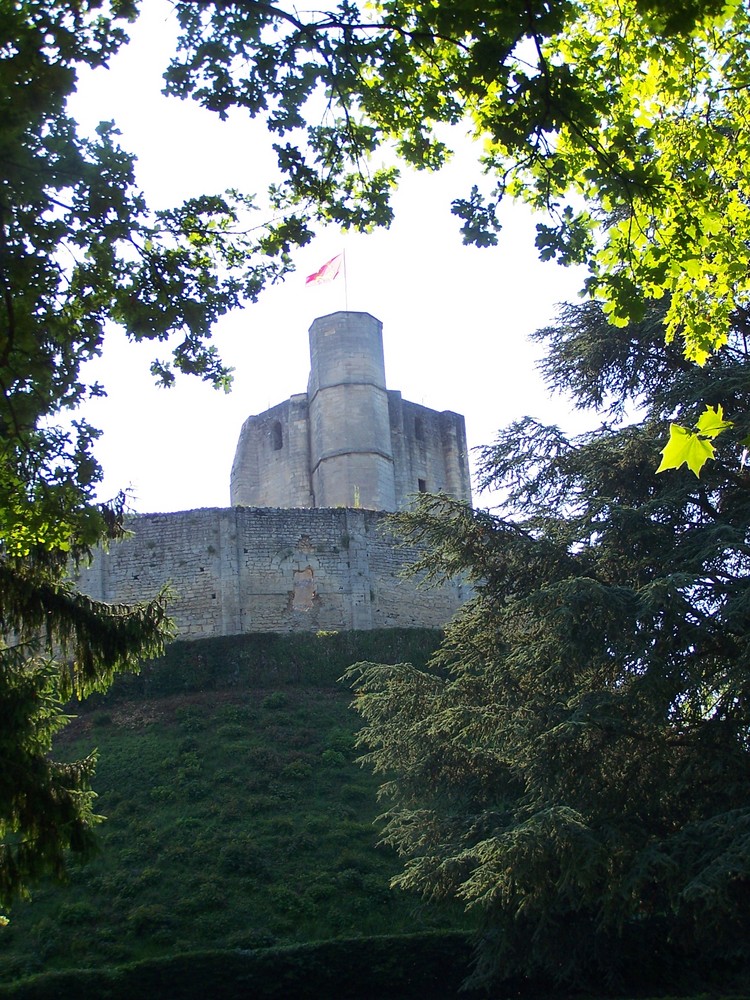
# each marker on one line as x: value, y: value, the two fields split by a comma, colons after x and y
x: 626, y: 122
x: 79, y: 247
x: 575, y: 763
x: 638, y: 115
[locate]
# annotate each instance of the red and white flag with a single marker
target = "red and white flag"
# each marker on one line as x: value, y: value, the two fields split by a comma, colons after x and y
x: 327, y: 272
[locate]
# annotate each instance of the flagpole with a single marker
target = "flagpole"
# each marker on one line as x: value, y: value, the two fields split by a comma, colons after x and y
x: 346, y: 284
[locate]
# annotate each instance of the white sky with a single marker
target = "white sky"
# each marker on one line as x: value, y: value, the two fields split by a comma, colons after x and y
x: 455, y: 318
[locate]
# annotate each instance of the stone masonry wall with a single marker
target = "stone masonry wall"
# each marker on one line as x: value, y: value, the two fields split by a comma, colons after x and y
x: 429, y: 451
x: 251, y: 569
x: 272, y: 461
x: 349, y: 441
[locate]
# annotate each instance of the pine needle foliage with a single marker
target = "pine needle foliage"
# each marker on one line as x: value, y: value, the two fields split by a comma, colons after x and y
x: 575, y: 761
x: 80, y: 248
x: 59, y: 643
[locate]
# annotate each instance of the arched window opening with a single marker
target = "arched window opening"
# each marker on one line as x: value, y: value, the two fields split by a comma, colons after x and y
x: 277, y: 436
x: 418, y: 429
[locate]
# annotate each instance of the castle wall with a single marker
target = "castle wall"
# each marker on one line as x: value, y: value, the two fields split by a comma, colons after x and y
x: 430, y: 454
x: 242, y: 569
x: 272, y: 460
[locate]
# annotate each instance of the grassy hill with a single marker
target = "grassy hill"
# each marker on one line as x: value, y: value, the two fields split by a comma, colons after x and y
x: 239, y: 854
x: 236, y: 816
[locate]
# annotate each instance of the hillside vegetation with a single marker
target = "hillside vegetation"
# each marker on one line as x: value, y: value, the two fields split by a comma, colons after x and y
x: 236, y: 815
x: 239, y: 855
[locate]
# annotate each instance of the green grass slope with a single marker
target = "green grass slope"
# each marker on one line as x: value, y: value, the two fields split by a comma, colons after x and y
x: 236, y: 816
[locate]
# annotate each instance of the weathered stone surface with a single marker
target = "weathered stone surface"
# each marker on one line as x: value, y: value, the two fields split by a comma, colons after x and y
x: 348, y: 442
x: 304, y: 545
x: 242, y: 569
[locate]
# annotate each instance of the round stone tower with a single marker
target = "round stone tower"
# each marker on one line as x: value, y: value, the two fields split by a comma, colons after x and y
x: 351, y: 454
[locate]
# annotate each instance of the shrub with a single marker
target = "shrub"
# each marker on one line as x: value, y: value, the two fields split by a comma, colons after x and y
x: 244, y: 858
x: 148, y: 918
x: 275, y: 701
x: 297, y: 770
x: 191, y: 718
x: 78, y: 913
x: 341, y: 739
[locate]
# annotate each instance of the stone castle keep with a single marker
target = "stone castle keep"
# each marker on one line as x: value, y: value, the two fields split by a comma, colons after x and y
x: 304, y: 545
x: 348, y: 441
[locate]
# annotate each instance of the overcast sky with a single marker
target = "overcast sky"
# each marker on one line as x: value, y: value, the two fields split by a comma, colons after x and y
x: 456, y: 319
